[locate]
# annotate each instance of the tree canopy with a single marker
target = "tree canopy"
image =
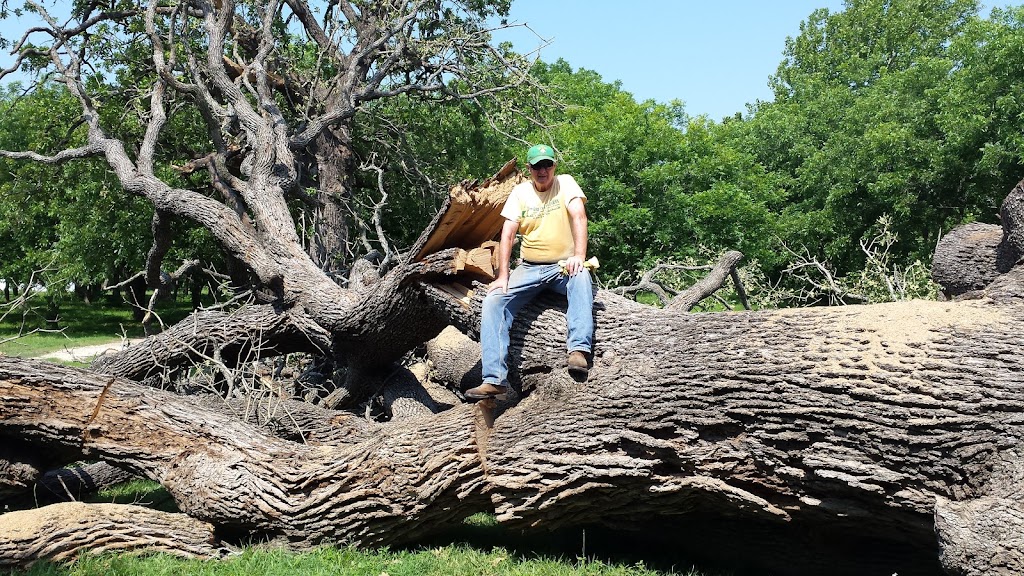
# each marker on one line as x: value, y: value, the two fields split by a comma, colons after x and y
x: 902, y: 110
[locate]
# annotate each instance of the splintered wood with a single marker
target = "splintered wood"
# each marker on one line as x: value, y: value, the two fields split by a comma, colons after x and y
x: 480, y: 261
x: 471, y: 217
x: 461, y: 293
x: 471, y: 221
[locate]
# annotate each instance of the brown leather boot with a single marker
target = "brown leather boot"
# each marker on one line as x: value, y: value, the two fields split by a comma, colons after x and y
x: 487, y: 390
x: 577, y: 363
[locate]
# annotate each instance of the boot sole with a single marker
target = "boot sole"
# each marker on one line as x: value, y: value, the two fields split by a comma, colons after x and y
x: 503, y: 396
x: 496, y: 396
x: 579, y: 370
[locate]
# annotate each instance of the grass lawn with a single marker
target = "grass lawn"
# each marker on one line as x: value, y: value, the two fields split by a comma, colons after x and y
x: 452, y: 560
x: 80, y: 324
x: 457, y: 554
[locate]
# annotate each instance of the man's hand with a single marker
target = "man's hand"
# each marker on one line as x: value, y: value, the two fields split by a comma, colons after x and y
x: 499, y: 282
x: 573, y: 265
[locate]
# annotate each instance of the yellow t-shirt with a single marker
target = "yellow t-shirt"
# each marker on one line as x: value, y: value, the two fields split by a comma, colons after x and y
x: 543, y: 218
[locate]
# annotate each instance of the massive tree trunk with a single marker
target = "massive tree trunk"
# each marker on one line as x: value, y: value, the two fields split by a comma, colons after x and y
x: 874, y: 418
x: 335, y: 168
x: 891, y: 427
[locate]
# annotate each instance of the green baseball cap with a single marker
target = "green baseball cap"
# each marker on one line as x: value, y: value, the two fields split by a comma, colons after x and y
x: 540, y: 152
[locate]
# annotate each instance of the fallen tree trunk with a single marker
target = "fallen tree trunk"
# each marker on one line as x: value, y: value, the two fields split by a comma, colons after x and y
x: 972, y: 256
x: 844, y: 419
x: 874, y: 426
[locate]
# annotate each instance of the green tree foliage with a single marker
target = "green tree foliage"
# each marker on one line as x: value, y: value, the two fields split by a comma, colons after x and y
x: 981, y: 113
x: 69, y: 218
x: 71, y: 221
x: 661, y: 185
x: 892, y: 107
x: 403, y: 84
x: 908, y: 110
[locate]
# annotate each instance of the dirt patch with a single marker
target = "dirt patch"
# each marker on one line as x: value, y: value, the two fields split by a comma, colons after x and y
x: 88, y: 353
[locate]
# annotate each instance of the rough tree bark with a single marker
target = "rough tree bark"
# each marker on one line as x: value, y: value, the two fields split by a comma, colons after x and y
x: 875, y: 418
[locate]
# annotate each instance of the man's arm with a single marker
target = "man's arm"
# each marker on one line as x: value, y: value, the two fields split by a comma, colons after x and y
x: 578, y: 225
x: 508, y: 236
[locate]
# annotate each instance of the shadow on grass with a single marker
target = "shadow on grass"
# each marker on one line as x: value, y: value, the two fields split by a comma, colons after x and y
x: 592, y: 543
x: 710, y: 545
x: 139, y: 492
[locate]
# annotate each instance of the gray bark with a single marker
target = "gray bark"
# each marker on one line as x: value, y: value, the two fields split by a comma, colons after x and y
x: 59, y: 531
x: 838, y: 420
x: 966, y: 259
x: 973, y: 256
x: 19, y: 469
x: 724, y: 270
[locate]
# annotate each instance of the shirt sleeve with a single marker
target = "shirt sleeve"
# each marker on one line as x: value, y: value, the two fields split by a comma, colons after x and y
x: 570, y: 189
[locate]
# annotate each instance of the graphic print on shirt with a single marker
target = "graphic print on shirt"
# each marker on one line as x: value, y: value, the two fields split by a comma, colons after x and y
x: 534, y: 212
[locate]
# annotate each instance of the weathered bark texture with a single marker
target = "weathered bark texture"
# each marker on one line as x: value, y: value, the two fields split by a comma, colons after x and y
x: 62, y: 531
x: 972, y: 256
x: 294, y: 420
x: 1011, y: 216
x: 848, y: 420
x: 387, y: 488
x: 248, y: 333
x: 965, y: 260
x: 719, y: 275
x: 455, y: 359
x: 975, y: 534
x: 19, y: 469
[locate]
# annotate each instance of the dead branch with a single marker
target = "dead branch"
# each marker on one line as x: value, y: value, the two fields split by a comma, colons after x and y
x: 707, y: 286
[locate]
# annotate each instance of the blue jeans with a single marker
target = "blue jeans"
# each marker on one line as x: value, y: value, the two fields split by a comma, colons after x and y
x: 524, y: 283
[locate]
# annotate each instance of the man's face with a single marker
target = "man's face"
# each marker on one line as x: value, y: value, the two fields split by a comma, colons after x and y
x: 543, y: 175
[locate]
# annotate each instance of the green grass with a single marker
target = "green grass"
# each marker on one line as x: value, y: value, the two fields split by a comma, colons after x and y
x: 139, y: 492
x: 80, y: 324
x: 452, y: 560
x: 479, y: 547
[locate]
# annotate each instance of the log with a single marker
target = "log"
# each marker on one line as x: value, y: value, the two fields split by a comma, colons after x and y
x: 833, y: 420
x: 400, y: 482
x: 61, y: 531
x: 1011, y: 217
x: 75, y: 482
x: 966, y: 259
x: 249, y: 333
x: 893, y: 426
x: 719, y: 275
x: 455, y: 359
x: 974, y: 255
x: 19, y: 469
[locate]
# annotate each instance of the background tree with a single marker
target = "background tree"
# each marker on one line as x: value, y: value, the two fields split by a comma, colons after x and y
x: 870, y: 117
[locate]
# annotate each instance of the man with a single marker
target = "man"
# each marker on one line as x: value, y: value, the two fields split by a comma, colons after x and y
x: 548, y: 214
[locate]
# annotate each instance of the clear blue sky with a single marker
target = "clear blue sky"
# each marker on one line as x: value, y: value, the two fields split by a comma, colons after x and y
x: 715, y: 56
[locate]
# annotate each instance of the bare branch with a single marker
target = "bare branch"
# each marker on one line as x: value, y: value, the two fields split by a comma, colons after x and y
x: 87, y: 151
